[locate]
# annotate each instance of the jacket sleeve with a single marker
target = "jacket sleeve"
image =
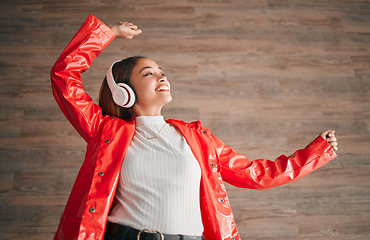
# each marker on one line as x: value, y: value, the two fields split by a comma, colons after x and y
x: 76, y: 104
x: 239, y: 171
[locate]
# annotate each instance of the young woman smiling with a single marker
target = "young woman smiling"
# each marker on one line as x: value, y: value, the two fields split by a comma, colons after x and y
x: 145, y: 177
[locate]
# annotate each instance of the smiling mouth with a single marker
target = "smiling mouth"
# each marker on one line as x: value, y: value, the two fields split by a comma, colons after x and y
x: 163, y: 88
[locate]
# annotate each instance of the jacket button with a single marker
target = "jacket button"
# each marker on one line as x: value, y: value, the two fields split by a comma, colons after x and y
x: 233, y: 238
x: 221, y: 200
x: 112, y: 118
x: 212, y: 164
x: 107, y: 141
x: 92, y: 210
x: 101, y: 174
x: 204, y: 132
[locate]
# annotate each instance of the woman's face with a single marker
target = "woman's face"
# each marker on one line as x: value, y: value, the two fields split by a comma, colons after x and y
x: 151, y: 86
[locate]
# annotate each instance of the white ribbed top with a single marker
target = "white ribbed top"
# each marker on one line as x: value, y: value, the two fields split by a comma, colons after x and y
x: 159, y: 183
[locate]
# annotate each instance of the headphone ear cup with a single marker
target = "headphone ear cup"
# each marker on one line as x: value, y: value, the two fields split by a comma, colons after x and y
x: 129, y: 95
x: 122, y: 94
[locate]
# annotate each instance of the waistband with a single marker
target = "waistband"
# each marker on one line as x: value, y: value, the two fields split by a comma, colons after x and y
x: 129, y: 233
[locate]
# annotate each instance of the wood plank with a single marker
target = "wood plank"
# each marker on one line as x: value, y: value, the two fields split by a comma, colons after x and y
x: 265, y: 76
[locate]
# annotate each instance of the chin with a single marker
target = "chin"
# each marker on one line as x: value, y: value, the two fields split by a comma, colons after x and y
x: 167, y: 100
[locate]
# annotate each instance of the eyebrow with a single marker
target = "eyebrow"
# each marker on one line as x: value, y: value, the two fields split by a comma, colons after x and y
x: 149, y: 67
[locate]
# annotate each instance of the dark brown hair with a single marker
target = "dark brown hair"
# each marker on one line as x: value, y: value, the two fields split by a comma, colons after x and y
x: 121, y: 73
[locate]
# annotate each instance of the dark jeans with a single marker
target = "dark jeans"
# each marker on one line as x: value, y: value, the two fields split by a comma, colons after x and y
x: 119, y: 232
x: 109, y: 235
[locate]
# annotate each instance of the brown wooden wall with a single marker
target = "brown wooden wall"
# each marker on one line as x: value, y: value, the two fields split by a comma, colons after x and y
x: 266, y: 76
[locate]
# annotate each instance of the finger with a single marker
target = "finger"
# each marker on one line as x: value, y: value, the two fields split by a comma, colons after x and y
x: 331, y: 134
x: 134, y: 27
x: 334, y: 144
x: 335, y: 149
x: 136, y: 32
x: 328, y: 133
x: 325, y: 133
x: 331, y: 139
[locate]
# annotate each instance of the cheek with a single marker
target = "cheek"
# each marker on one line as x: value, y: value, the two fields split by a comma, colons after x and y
x: 144, y: 92
x: 138, y: 86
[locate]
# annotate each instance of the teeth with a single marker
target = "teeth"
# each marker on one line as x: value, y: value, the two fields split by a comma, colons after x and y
x: 163, y: 87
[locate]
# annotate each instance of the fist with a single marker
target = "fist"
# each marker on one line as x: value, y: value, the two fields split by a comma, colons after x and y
x: 125, y: 30
x: 329, y: 136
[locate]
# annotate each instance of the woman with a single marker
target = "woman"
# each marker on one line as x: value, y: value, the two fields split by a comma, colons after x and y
x: 142, y: 172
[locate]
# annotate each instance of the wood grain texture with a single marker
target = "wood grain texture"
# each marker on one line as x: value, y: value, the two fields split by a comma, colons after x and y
x: 265, y: 76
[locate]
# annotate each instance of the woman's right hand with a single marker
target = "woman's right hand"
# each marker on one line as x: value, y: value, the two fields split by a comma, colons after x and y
x: 125, y: 30
x: 329, y: 136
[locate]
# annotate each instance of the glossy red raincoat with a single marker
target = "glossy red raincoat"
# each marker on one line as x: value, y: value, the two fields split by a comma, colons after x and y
x: 108, y: 138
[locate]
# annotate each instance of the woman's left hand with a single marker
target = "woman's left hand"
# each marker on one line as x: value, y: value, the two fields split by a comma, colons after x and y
x: 329, y: 136
x: 125, y: 30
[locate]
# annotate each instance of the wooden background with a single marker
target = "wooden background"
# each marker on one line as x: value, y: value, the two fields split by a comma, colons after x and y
x: 266, y: 76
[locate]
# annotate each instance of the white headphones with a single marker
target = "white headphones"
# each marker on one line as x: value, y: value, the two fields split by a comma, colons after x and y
x: 122, y: 94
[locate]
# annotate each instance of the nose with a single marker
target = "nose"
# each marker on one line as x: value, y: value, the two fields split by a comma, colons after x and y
x: 162, y: 79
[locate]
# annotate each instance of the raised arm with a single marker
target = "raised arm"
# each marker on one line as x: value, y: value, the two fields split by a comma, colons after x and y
x: 90, y: 40
x: 239, y: 171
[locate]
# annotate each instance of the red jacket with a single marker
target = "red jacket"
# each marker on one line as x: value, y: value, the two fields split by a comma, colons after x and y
x: 108, y: 138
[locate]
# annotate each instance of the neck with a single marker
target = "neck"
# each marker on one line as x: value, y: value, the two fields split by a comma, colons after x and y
x: 141, y: 111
